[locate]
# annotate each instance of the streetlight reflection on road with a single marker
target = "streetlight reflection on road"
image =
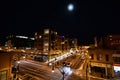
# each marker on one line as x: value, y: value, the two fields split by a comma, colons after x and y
x: 64, y: 70
x: 61, y: 71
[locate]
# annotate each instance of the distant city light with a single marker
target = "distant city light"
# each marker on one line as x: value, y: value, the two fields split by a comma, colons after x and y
x: 73, y: 42
x: 63, y: 36
x: 32, y: 38
x: 22, y: 37
x: 40, y: 36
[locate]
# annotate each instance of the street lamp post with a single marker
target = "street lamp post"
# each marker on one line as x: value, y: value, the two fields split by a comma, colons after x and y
x: 63, y: 73
x: 62, y: 47
x: 53, y: 68
x: 18, y: 70
x: 87, y: 72
x: 87, y: 65
x: 18, y: 65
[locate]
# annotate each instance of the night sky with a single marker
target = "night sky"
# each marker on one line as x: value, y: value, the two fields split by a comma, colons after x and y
x: 88, y: 19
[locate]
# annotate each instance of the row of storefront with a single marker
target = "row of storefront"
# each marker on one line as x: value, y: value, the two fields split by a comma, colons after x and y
x: 102, y: 64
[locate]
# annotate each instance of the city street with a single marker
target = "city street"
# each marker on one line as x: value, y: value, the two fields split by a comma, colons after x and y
x: 34, y: 70
x: 37, y: 71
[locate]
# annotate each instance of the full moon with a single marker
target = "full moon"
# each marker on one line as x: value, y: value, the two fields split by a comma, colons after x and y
x: 70, y: 7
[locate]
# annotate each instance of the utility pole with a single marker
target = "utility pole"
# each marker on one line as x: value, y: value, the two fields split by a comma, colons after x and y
x: 87, y: 71
x: 62, y: 72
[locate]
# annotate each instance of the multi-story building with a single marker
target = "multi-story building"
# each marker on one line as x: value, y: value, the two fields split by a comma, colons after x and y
x: 38, y: 44
x: 111, y: 41
x: 48, y: 42
x: 19, y: 42
x: 101, y: 63
x: 9, y: 64
x: 53, y: 44
x: 73, y: 43
x: 107, y: 53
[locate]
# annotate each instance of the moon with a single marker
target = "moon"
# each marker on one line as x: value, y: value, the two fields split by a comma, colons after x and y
x: 70, y: 7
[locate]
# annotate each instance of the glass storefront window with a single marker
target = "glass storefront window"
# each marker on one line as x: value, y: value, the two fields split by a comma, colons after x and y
x: 3, y: 75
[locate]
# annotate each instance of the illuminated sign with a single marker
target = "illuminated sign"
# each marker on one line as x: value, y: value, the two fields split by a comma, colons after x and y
x: 116, y: 68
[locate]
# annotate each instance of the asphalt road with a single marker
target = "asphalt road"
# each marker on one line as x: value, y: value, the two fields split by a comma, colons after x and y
x: 33, y: 70
x: 36, y: 71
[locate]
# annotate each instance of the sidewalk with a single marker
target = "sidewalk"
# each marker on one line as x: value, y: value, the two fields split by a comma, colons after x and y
x: 115, y: 78
x: 96, y: 78
x: 118, y: 78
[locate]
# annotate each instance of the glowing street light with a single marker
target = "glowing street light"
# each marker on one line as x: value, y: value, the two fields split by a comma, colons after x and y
x: 23, y: 57
x: 18, y: 62
x: 18, y: 65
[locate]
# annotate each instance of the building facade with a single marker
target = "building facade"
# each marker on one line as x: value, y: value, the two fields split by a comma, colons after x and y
x: 111, y: 41
x: 19, y: 42
x: 49, y: 42
x: 107, y: 53
x: 5, y: 65
x: 53, y: 44
x: 101, y: 63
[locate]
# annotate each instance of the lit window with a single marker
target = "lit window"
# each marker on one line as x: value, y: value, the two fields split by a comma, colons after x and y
x: 110, y: 36
x: 46, y: 49
x: 110, y: 39
x: 46, y: 44
x: 40, y: 36
x: 46, y: 31
x: 72, y: 41
x: 99, y: 57
x: 36, y: 33
x: 56, y: 33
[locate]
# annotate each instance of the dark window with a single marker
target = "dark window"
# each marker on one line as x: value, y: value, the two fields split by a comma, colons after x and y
x: 107, y: 57
x: 116, y: 60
